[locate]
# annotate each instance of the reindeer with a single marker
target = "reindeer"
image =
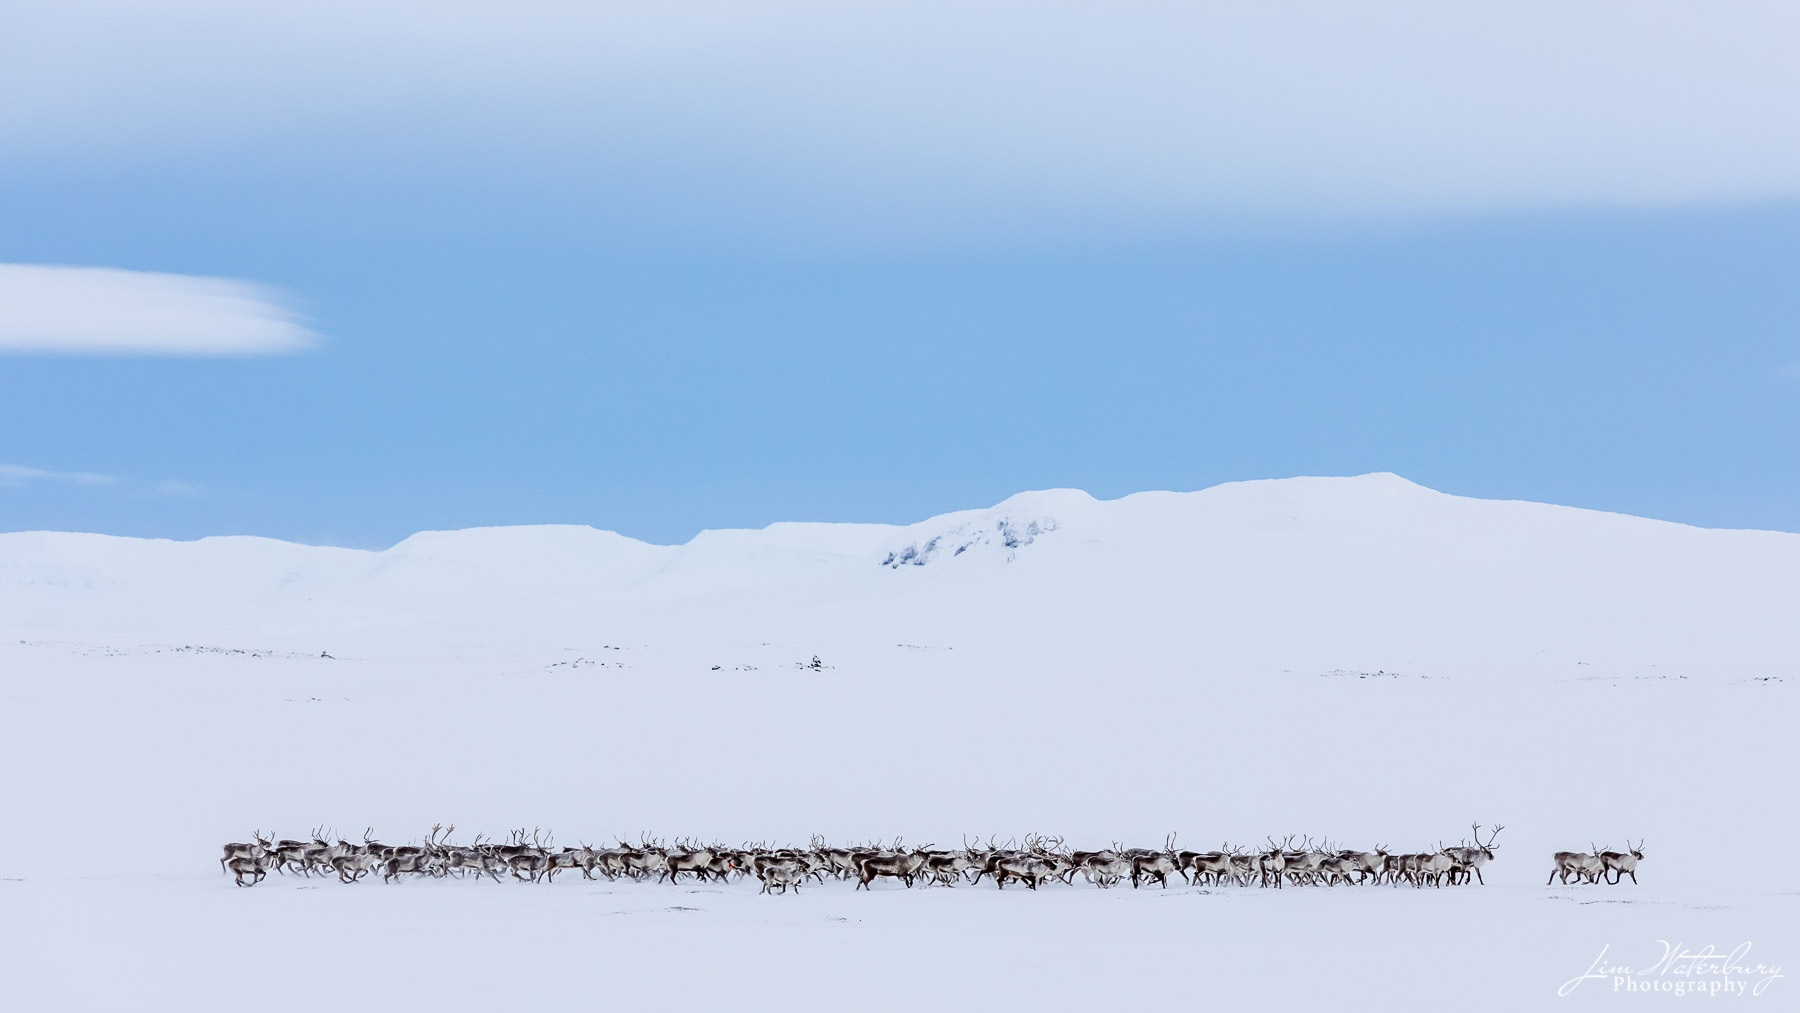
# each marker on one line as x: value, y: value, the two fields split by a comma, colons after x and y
x: 353, y: 861
x: 972, y: 860
x: 259, y: 848
x: 1214, y: 866
x: 611, y: 862
x: 1410, y: 868
x: 1619, y: 864
x: 1244, y: 866
x: 1054, y: 850
x: 1105, y: 869
x: 1274, y: 861
x: 414, y: 861
x: 1078, y: 860
x: 761, y: 859
x: 783, y: 875
x: 1301, y: 866
x: 1031, y: 866
x: 319, y: 853
x: 1155, y: 865
x: 292, y: 854
x: 946, y: 868
x: 1433, y: 868
x: 989, y: 864
x: 902, y: 865
x: 1335, y: 869
x: 724, y: 863
x: 1184, y: 860
x: 474, y: 858
x: 689, y: 859
x: 1366, y: 865
x: 1471, y: 859
x: 1028, y: 869
x: 1585, y: 868
x: 839, y: 862
x: 438, y: 850
x: 255, y: 866
x: 648, y: 859
x: 582, y: 858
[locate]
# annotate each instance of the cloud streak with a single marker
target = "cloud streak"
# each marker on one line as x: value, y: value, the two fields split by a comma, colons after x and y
x: 176, y: 487
x: 1386, y: 106
x: 56, y: 310
x: 18, y: 476
x: 13, y: 476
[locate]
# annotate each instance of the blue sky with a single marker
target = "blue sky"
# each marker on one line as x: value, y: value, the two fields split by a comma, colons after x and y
x: 876, y: 274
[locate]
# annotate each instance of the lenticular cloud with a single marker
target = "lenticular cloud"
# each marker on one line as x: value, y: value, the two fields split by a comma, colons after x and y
x: 102, y: 311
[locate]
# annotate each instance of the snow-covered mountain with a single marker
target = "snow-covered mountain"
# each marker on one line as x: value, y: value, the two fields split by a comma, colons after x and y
x: 1372, y: 572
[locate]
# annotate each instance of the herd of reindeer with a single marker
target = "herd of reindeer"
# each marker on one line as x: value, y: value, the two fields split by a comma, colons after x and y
x: 1036, y: 860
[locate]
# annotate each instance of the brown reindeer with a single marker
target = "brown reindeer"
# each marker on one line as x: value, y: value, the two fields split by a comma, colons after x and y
x: 1619, y: 864
x: 1471, y: 859
x: 255, y: 866
x: 1585, y: 868
x: 260, y: 846
x: 901, y: 865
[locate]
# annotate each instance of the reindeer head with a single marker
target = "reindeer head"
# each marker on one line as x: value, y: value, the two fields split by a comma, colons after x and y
x: 1486, y: 847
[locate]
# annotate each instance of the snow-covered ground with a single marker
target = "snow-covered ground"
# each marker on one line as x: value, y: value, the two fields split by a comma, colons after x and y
x: 1361, y: 657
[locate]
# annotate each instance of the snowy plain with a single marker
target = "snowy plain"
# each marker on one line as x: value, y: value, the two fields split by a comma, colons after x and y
x: 1360, y: 657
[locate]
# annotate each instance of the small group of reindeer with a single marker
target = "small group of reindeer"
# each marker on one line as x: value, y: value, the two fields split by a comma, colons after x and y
x: 1039, y: 859
x: 1598, y: 863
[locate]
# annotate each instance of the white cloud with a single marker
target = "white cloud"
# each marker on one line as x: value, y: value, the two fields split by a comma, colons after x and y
x: 1146, y: 106
x: 176, y: 487
x: 101, y: 311
x: 17, y: 476
x: 14, y: 475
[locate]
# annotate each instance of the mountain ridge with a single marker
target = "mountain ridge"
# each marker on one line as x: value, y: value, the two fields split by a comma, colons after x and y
x: 1023, y: 498
x: 1337, y: 573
